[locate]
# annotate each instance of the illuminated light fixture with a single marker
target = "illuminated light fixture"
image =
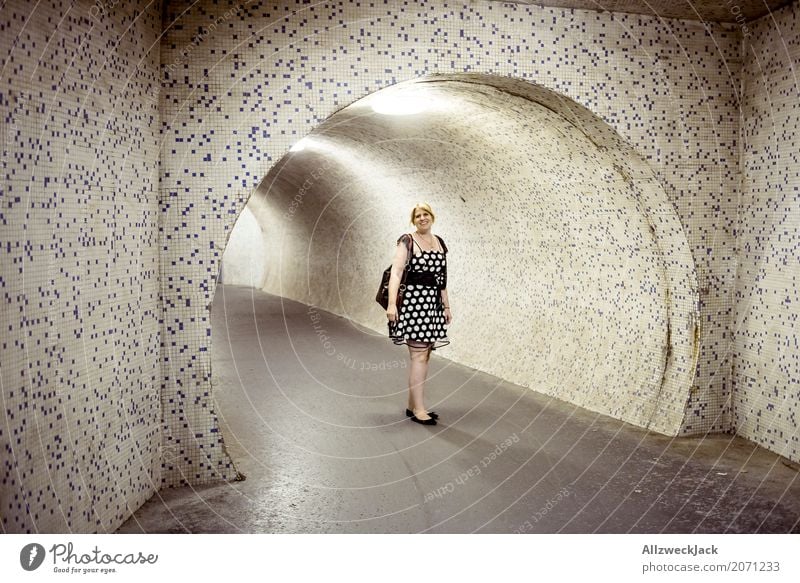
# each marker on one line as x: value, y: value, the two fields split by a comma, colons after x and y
x: 317, y: 143
x: 409, y: 102
x: 300, y: 146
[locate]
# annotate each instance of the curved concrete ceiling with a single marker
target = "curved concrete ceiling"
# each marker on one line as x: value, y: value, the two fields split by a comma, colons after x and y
x: 712, y: 10
x: 569, y: 269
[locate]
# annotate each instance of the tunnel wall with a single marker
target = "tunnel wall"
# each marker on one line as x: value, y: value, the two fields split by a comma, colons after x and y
x: 245, y: 259
x: 569, y: 274
x: 266, y: 75
x: 241, y: 84
x: 80, y: 432
x: 766, y: 363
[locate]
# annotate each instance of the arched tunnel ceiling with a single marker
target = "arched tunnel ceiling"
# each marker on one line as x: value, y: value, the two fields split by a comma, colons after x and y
x: 558, y: 273
x: 704, y: 10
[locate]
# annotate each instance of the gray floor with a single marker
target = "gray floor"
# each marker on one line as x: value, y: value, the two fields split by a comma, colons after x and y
x: 312, y: 413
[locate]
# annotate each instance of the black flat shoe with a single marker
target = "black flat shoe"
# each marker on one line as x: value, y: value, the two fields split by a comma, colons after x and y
x: 430, y: 421
x: 410, y: 413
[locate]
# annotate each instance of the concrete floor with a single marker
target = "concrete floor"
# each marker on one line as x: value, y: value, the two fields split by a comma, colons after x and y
x: 312, y: 409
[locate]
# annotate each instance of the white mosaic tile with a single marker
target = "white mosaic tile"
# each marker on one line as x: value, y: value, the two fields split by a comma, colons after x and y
x: 79, y: 208
x: 766, y: 371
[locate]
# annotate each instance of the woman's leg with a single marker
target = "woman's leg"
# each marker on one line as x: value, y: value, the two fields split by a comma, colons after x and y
x: 418, y: 372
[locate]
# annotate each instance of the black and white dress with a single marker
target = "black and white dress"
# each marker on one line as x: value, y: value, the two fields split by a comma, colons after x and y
x: 420, y: 315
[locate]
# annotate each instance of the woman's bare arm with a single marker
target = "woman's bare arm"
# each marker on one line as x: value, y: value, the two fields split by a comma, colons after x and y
x: 446, y: 302
x: 398, y: 266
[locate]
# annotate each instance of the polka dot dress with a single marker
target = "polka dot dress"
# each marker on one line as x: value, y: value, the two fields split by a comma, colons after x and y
x: 421, y: 315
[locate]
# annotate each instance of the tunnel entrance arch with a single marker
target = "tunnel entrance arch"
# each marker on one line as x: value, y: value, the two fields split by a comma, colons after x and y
x: 650, y: 251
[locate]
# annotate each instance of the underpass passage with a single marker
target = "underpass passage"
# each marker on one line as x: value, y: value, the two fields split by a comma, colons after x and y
x: 569, y: 272
x: 311, y: 407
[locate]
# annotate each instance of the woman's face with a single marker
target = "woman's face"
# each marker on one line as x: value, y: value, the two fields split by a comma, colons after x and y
x: 422, y: 219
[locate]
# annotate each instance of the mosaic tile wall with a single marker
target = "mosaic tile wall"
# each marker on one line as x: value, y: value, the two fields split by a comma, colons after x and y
x: 570, y: 272
x: 242, y: 82
x: 246, y: 81
x: 80, y: 433
x: 766, y: 363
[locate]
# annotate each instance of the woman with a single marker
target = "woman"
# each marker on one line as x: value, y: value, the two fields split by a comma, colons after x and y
x: 424, y: 311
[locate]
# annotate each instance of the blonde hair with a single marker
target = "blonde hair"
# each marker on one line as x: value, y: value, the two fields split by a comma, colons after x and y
x: 424, y: 206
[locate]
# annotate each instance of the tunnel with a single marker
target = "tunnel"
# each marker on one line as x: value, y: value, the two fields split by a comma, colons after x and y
x: 199, y: 198
x: 570, y: 272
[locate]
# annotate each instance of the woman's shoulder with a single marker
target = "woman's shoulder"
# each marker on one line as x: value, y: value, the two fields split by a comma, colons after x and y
x: 444, y: 247
x: 404, y: 238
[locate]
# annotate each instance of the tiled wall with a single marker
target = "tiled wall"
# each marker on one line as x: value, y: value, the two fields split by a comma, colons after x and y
x: 766, y: 364
x: 246, y: 81
x: 80, y: 434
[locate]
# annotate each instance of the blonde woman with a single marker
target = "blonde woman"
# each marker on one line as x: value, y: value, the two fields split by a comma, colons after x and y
x: 420, y: 320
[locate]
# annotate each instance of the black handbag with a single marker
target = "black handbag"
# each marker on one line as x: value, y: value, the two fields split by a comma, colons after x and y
x: 382, y: 296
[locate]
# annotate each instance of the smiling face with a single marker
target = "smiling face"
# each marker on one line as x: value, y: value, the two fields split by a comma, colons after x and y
x: 422, y: 217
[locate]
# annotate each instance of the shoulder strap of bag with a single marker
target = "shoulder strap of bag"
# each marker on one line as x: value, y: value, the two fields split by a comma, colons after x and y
x: 409, y: 246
